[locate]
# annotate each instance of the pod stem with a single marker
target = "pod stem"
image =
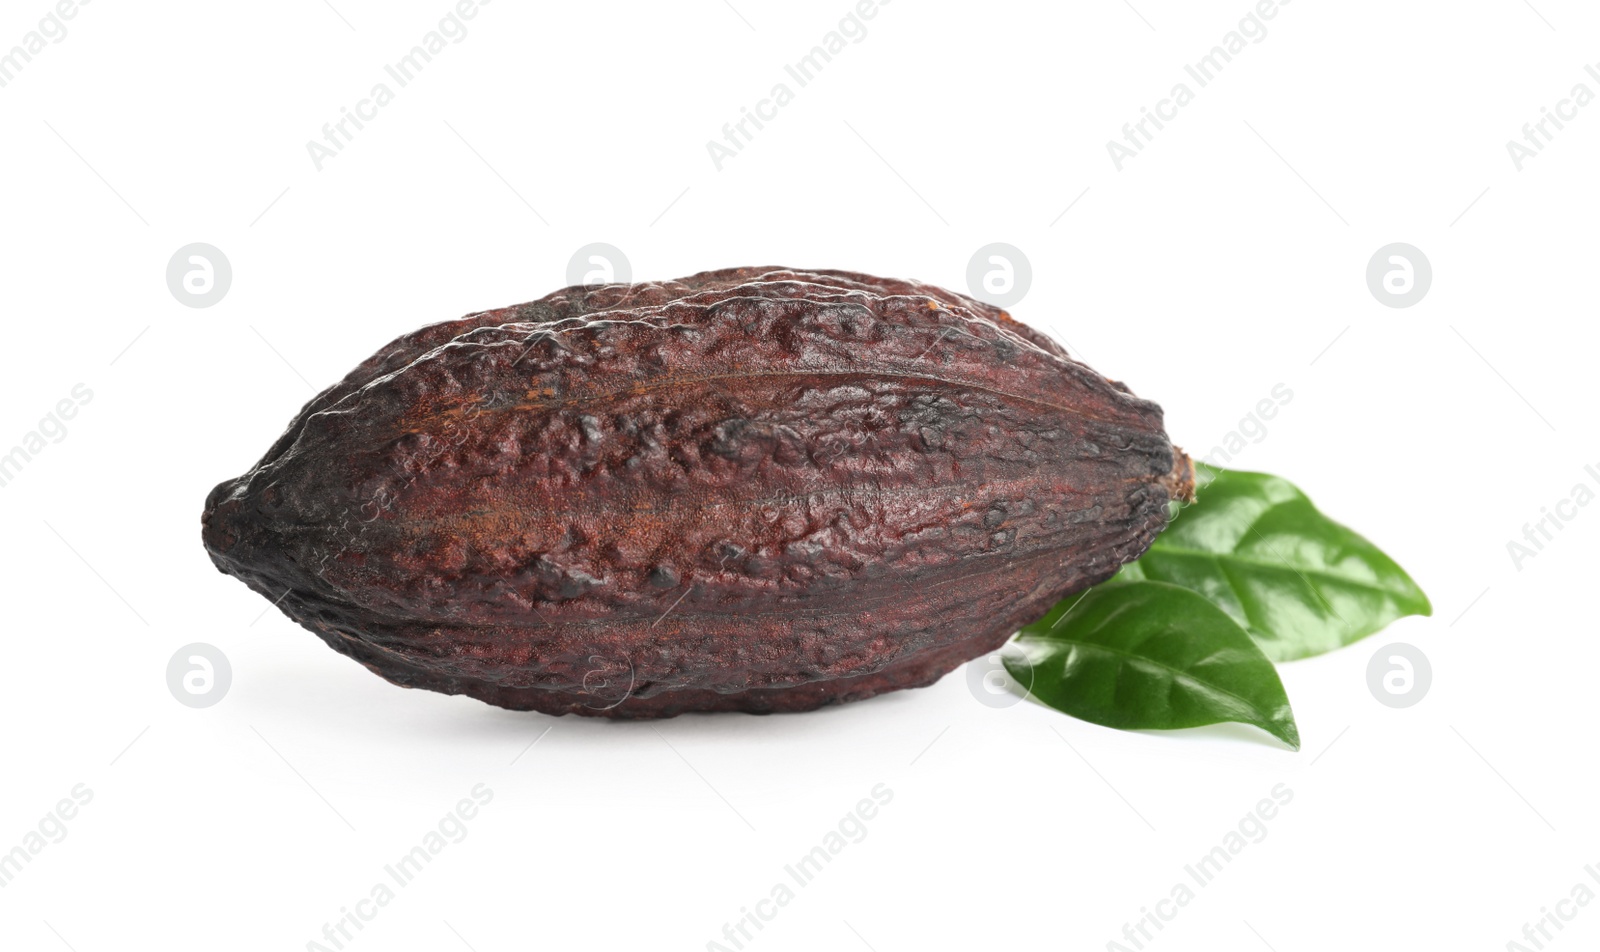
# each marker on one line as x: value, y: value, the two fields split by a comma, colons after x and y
x: 1179, y: 483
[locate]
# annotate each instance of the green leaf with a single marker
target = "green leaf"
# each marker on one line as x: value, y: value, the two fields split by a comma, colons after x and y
x: 1300, y: 583
x: 1148, y: 655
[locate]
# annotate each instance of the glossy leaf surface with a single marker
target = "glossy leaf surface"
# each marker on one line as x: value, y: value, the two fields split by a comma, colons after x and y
x: 1298, y: 582
x: 1150, y: 655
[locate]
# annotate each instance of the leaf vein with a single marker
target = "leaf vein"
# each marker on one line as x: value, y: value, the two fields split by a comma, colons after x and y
x: 1178, y: 673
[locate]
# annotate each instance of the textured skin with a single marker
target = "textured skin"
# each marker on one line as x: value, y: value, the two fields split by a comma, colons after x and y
x: 754, y: 489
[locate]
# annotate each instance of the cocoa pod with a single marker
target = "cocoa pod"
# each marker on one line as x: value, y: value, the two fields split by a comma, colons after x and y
x: 754, y: 489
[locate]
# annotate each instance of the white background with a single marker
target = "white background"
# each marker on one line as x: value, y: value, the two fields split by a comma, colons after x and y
x: 1227, y: 258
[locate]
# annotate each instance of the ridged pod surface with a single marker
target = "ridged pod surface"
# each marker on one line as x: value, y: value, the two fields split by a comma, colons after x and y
x: 755, y: 489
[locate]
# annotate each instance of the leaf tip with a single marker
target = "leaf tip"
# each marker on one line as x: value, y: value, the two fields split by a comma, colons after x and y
x: 1285, y: 729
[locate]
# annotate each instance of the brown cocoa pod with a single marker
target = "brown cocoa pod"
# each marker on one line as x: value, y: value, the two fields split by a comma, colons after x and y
x: 754, y: 489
